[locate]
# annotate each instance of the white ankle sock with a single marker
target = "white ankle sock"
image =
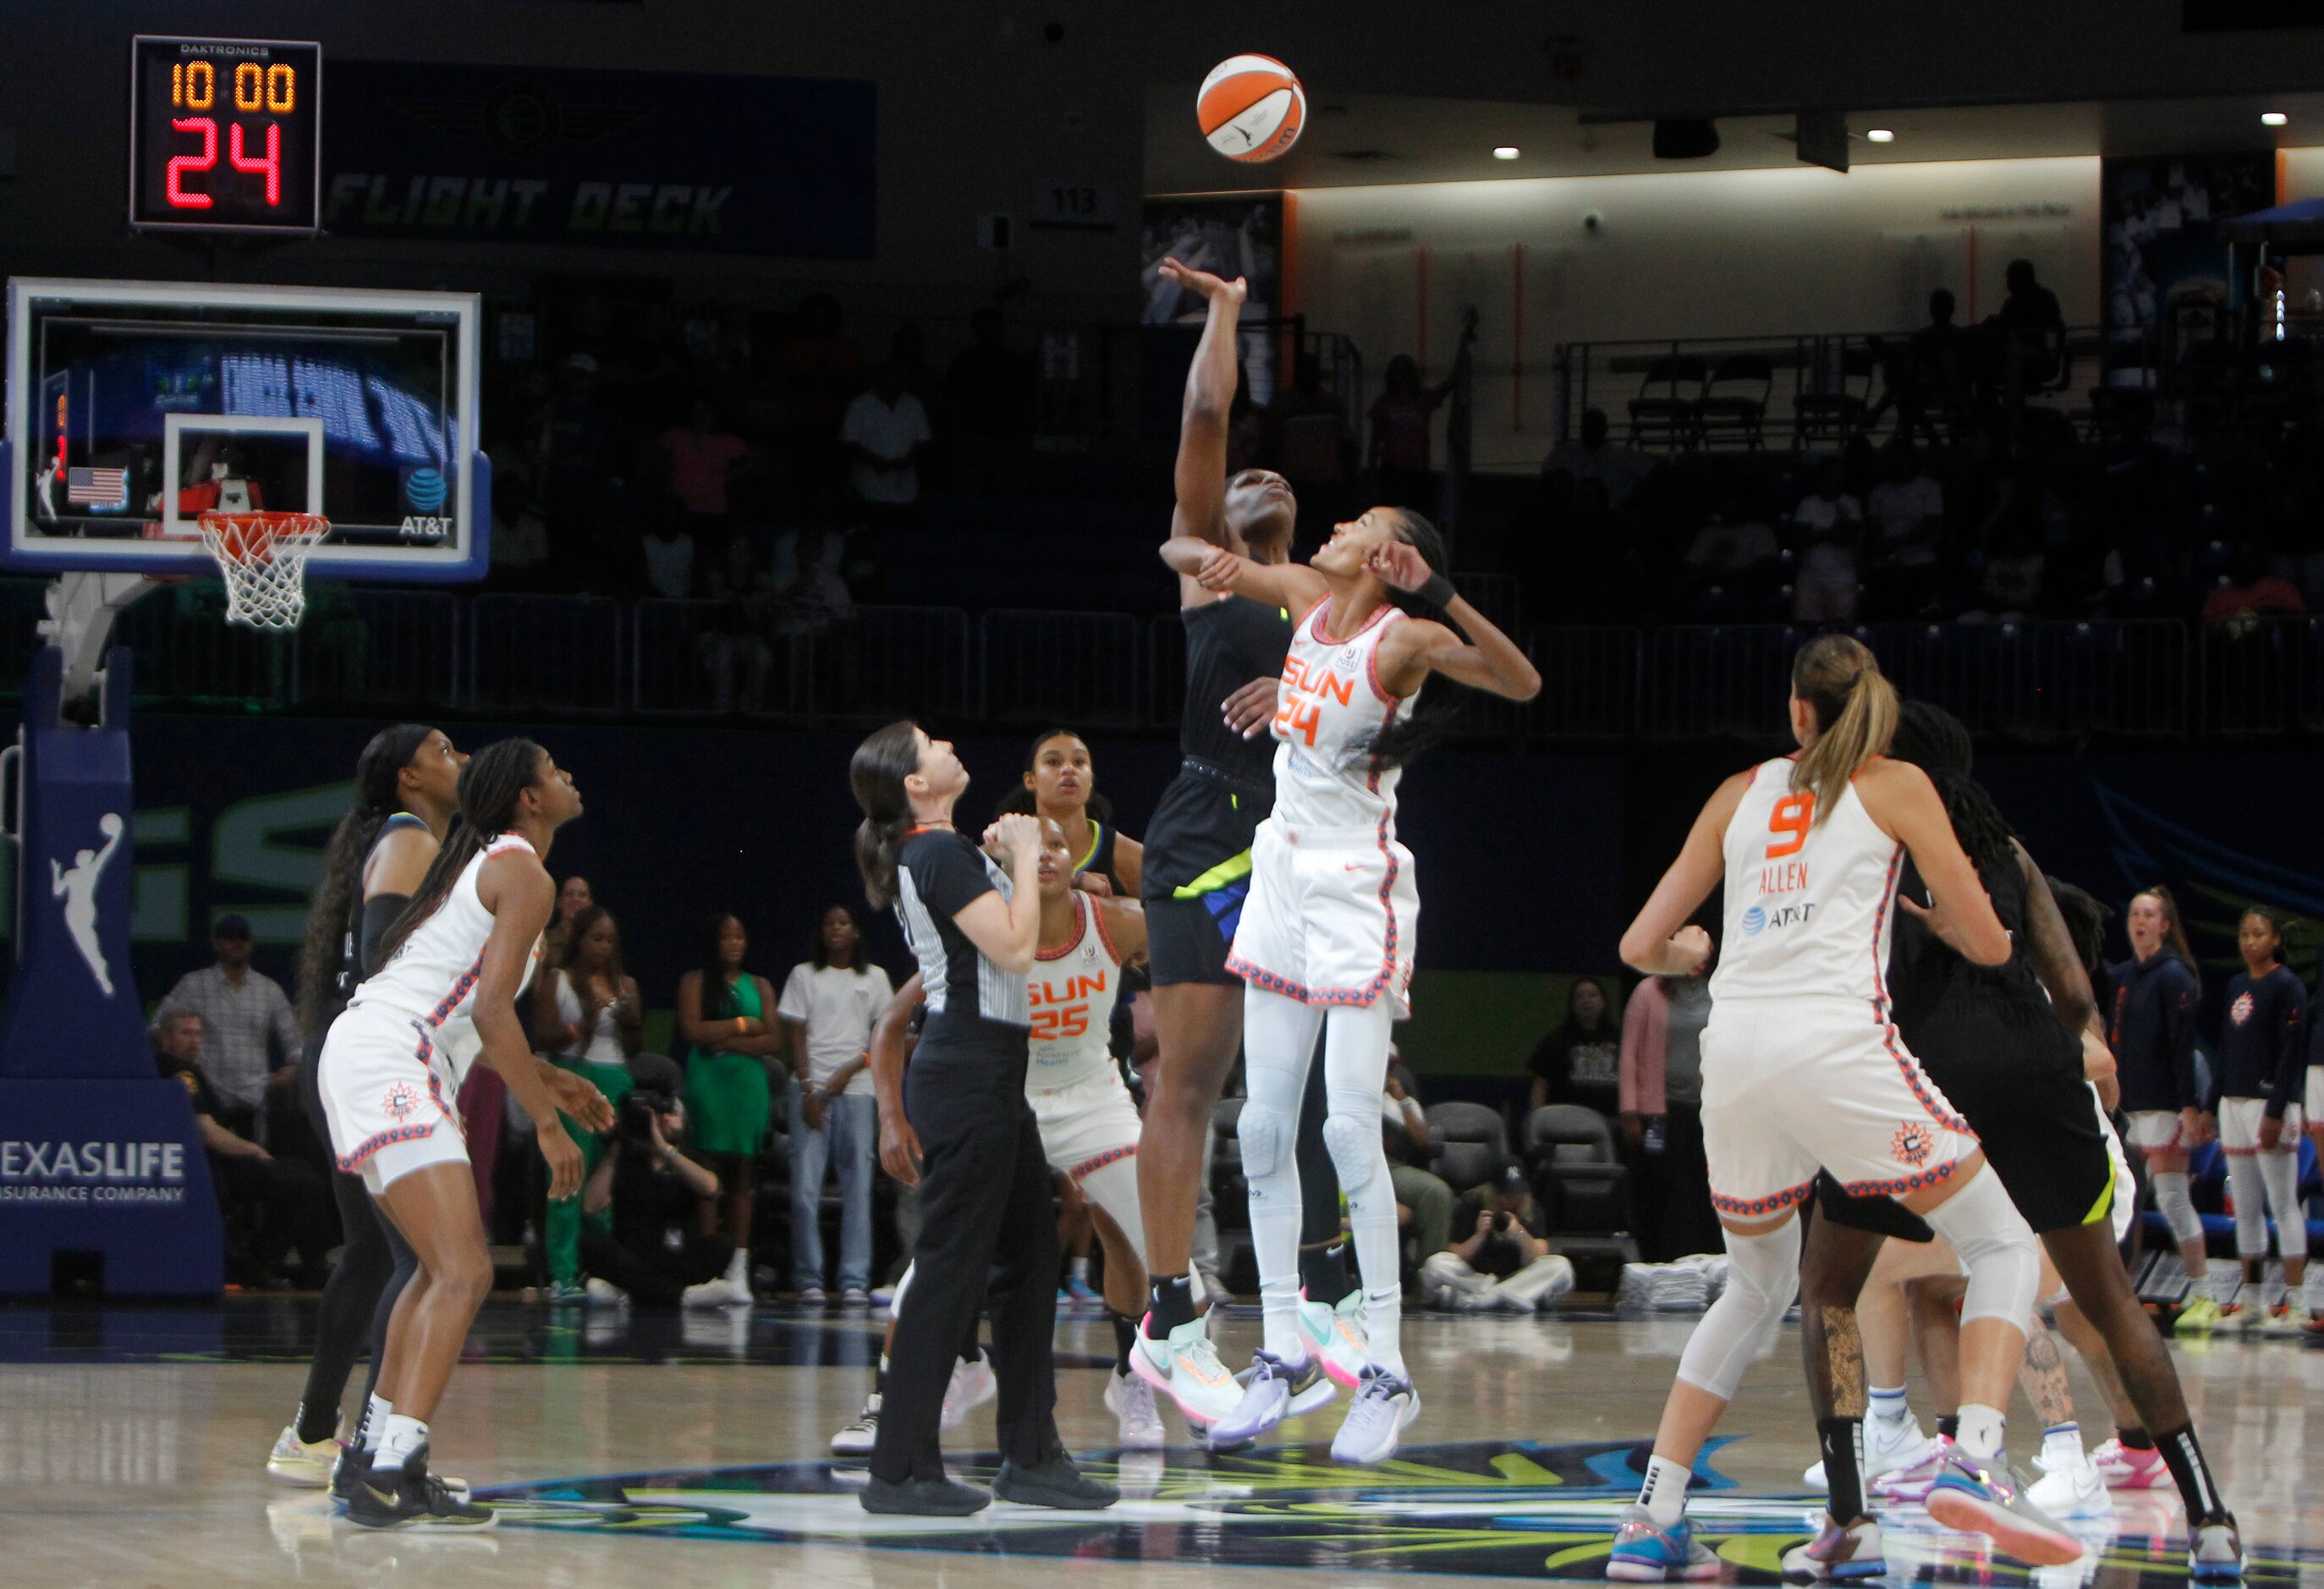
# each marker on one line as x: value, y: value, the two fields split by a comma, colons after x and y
x: 738, y: 1272
x: 1982, y: 1431
x: 2061, y: 1442
x: 1664, y: 1493
x: 374, y: 1423
x: 1888, y: 1404
x: 404, y: 1436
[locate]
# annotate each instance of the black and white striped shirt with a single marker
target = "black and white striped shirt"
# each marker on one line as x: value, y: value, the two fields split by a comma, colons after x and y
x: 938, y: 875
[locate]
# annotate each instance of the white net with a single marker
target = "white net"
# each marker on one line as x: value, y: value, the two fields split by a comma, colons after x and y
x: 264, y: 557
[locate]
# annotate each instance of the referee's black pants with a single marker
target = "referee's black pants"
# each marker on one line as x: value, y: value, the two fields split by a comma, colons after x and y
x: 988, y: 1229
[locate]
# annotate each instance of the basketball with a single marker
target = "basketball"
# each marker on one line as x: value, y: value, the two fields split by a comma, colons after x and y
x: 109, y: 825
x: 1251, y: 108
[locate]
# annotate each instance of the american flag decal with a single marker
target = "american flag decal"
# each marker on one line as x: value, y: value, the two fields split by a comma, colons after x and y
x: 97, y: 488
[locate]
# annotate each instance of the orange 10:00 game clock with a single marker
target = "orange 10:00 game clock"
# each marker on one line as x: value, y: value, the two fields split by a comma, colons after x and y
x: 225, y: 134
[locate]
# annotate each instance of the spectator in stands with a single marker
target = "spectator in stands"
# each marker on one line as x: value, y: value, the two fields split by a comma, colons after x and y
x: 1580, y: 1061
x: 1502, y: 1260
x: 987, y: 408
x: 736, y: 644
x: 829, y: 1002
x: 2030, y: 351
x: 250, y: 1038
x: 1401, y: 417
x: 1734, y: 546
x: 726, y: 1016
x: 668, y: 553
x: 1424, y: 1202
x: 886, y: 433
x: 1661, y: 1113
x: 590, y: 1012
x: 281, y: 1202
x: 574, y: 895
x: 1605, y: 473
x: 652, y: 1252
x: 2250, y: 591
x: 1933, y: 384
x: 1906, y: 521
x: 703, y: 458
x: 1825, y: 528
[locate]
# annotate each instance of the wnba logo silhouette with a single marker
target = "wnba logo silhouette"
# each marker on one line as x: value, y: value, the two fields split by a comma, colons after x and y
x: 76, y: 886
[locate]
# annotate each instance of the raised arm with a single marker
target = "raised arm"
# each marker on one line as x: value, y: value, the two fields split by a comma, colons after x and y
x: 1904, y: 805
x: 1660, y: 943
x: 1293, y: 587
x: 1200, y: 478
x: 1486, y: 660
x: 1007, y: 931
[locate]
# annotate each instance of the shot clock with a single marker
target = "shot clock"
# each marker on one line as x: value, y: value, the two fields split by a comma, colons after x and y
x: 225, y: 134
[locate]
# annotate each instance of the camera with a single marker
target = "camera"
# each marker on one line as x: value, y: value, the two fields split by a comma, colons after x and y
x: 1501, y: 1222
x: 638, y: 1110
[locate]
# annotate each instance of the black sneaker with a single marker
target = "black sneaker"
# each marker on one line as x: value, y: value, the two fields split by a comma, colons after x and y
x: 413, y: 1498
x: 927, y: 1498
x: 1054, y: 1481
x: 355, y: 1462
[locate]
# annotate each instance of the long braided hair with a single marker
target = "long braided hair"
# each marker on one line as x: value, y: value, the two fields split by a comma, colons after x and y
x: 1936, y: 742
x: 379, y: 777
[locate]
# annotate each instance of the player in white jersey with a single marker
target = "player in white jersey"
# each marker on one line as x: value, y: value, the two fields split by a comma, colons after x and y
x: 390, y: 1070
x: 1325, y: 942
x: 1089, y: 1123
x: 1802, y: 1068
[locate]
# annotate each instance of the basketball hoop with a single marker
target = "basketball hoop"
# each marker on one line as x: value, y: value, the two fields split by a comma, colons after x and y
x: 263, y: 558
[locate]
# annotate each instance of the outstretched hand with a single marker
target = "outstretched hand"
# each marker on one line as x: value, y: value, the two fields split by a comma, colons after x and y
x: 1249, y: 710
x: 1207, y: 285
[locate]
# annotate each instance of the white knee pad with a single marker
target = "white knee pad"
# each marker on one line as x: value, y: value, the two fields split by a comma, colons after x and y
x: 2177, y: 1206
x: 1265, y: 1133
x: 1763, y: 1275
x: 1997, y: 1250
x: 1356, y: 1150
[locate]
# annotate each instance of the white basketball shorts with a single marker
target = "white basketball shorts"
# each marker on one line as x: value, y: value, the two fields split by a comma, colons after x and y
x: 388, y: 1095
x: 1790, y: 1085
x: 1331, y: 919
x: 1089, y: 1131
x: 2154, y: 1128
x: 2239, y: 1120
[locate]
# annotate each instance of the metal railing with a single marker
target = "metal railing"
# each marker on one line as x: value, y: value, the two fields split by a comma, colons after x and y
x: 374, y: 651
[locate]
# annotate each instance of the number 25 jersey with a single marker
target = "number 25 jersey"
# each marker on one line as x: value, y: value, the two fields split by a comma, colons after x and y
x: 1810, y: 905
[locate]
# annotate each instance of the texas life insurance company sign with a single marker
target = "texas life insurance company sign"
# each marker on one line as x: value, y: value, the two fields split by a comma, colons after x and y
x: 91, y: 1172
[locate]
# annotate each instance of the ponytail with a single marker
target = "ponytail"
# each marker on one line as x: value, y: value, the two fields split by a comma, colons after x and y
x: 1856, y: 712
x: 876, y: 773
x: 378, y: 774
x: 491, y: 785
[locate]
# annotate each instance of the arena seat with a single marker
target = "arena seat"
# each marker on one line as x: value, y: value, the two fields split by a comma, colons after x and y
x: 1467, y: 1145
x: 1584, y: 1191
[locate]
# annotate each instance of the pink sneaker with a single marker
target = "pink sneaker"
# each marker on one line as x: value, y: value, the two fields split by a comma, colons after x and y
x: 1910, y: 1486
x: 2124, y: 1468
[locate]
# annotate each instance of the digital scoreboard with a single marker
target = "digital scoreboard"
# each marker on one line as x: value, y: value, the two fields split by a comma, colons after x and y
x: 225, y: 134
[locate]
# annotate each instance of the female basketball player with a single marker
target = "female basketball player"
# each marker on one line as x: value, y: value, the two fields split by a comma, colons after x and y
x: 589, y: 1009
x: 985, y: 1190
x: 1194, y: 876
x: 2260, y: 1068
x: 2152, y: 1030
x: 726, y: 1014
x: 2013, y: 1047
x: 1060, y: 785
x: 407, y: 788
x: 1325, y: 943
x: 391, y: 1067
x: 1808, y: 848
x: 1089, y: 1125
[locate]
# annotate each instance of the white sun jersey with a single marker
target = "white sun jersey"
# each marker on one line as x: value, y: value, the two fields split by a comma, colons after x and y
x: 431, y: 978
x: 1332, y: 707
x: 1072, y: 990
x: 1809, y: 905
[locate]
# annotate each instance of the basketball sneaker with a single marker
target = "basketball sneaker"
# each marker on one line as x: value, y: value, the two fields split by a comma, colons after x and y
x: 411, y: 1498
x: 1078, y: 1297
x: 1272, y: 1391
x: 1185, y: 1367
x: 858, y: 1437
x: 1056, y: 1482
x: 973, y: 1385
x: 2072, y: 1488
x: 1645, y: 1553
x: 721, y: 1292
x: 1130, y: 1399
x: 2199, y: 1317
x: 1837, y: 1554
x: 1909, y: 1486
x: 929, y: 1498
x: 2215, y: 1554
x: 2288, y: 1322
x: 605, y: 1293
x: 355, y: 1462
x: 303, y: 1465
x: 1973, y: 1500
x: 1335, y: 1337
x: 1385, y: 1404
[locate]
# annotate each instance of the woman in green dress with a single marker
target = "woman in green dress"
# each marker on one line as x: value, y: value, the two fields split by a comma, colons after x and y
x: 727, y: 1017
x: 589, y: 1009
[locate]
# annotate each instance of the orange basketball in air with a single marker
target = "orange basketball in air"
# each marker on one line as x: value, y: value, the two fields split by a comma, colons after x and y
x: 1252, y: 107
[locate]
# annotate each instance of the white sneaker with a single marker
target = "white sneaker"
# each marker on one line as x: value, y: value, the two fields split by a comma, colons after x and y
x: 973, y: 1385
x: 606, y: 1293
x: 1890, y: 1444
x: 2287, y: 1322
x: 303, y: 1465
x: 2072, y: 1489
x: 858, y: 1437
x: 1186, y: 1367
x: 1272, y: 1391
x: 1335, y: 1338
x: 1385, y: 1403
x: 1130, y: 1399
x: 717, y: 1293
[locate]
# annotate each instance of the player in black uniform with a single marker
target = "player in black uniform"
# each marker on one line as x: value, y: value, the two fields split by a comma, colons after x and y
x: 985, y: 1222
x: 1195, y: 875
x: 2005, y: 1047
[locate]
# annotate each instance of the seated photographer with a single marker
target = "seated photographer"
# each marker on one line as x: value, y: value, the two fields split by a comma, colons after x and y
x: 655, y: 1254
x: 1503, y: 1263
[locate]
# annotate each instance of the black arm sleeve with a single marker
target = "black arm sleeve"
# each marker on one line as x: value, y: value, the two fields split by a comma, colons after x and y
x: 379, y: 914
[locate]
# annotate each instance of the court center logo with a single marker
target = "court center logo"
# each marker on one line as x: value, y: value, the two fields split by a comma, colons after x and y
x: 76, y: 885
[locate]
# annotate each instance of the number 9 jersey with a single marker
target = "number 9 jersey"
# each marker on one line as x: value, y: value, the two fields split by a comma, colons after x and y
x: 1809, y: 905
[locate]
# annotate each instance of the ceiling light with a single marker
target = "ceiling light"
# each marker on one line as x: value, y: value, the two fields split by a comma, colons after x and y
x: 1880, y: 136
x: 2273, y: 119
x: 1506, y: 152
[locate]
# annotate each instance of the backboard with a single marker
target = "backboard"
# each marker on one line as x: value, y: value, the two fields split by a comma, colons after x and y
x: 134, y: 406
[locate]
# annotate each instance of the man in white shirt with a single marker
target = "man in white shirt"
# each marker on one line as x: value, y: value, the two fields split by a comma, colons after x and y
x: 886, y: 433
x: 828, y: 1006
x: 1827, y: 522
x: 241, y: 1010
